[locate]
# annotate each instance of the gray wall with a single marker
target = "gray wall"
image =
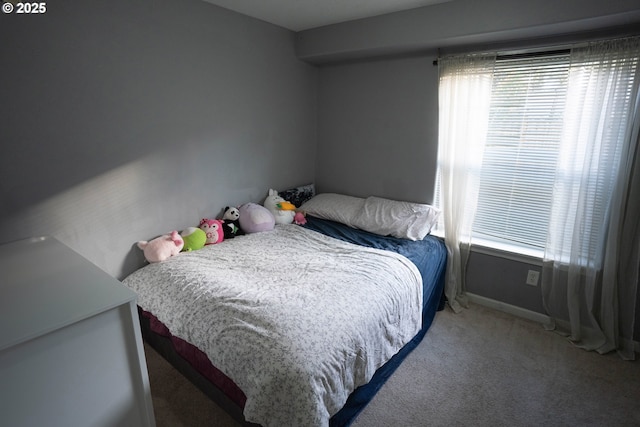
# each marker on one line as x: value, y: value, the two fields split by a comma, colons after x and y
x: 121, y: 121
x: 377, y: 130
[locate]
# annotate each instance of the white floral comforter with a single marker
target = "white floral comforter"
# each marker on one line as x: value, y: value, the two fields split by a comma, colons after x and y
x: 296, y: 319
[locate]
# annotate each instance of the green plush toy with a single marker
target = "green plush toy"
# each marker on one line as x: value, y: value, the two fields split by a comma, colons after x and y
x: 194, y: 239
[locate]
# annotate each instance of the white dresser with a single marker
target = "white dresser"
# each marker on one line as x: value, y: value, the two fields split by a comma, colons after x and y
x: 71, y: 351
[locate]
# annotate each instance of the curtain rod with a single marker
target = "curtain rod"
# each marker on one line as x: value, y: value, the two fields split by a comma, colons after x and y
x: 530, y: 54
x: 551, y: 49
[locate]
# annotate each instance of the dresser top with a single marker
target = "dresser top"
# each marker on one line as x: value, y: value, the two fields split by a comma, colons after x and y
x: 45, y: 285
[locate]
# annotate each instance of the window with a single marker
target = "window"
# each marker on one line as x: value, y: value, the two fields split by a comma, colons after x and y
x: 523, y: 155
x: 522, y: 146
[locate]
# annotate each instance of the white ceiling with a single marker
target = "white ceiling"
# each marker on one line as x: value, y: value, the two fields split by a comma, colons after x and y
x: 298, y: 15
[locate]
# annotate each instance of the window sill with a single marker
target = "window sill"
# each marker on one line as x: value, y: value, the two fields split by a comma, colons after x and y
x: 502, y: 250
x: 513, y: 253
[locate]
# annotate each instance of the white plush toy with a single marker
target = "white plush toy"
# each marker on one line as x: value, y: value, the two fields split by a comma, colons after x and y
x: 280, y: 208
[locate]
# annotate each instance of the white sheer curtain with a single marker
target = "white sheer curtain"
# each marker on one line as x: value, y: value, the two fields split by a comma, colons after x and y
x: 464, y: 97
x: 590, y: 267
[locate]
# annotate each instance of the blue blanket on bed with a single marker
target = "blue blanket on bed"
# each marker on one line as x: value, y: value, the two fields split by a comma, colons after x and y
x: 430, y: 256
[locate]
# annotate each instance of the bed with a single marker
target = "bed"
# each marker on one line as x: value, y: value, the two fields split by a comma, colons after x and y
x: 300, y: 325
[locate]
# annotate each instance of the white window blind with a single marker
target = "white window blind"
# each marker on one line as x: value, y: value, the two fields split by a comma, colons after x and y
x: 521, y: 151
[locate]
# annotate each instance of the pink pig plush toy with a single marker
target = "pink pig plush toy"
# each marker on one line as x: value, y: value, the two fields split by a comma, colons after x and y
x: 162, y: 247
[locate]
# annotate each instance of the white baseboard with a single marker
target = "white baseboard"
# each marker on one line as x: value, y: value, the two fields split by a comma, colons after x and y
x: 519, y: 312
x: 508, y: 308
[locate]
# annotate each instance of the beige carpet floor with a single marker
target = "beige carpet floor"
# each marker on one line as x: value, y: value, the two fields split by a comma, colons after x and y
x: 480, y: 367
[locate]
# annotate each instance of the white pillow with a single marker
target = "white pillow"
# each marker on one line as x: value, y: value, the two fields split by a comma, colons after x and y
x: 406, y: 220
x: 334, y: 207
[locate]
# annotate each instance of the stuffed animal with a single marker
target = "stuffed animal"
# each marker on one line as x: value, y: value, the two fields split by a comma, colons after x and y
x: 299, y: 218
x: 231, y: 222
x: 162, y: 248
x: 194, y: 239
x: 213, y: 230
x: 282, y: 216
x: 255, y: 218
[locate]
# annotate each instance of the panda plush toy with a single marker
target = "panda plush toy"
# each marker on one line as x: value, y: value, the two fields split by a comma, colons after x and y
x: 231, y: 222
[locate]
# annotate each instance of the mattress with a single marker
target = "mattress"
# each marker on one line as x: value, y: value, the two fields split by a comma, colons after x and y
x: 319, y: 294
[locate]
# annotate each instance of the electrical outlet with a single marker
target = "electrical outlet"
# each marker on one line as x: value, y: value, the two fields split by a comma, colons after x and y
x: 532, y: 277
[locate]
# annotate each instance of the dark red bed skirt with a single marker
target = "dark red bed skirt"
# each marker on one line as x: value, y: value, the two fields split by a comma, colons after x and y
x: 199, y: 360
